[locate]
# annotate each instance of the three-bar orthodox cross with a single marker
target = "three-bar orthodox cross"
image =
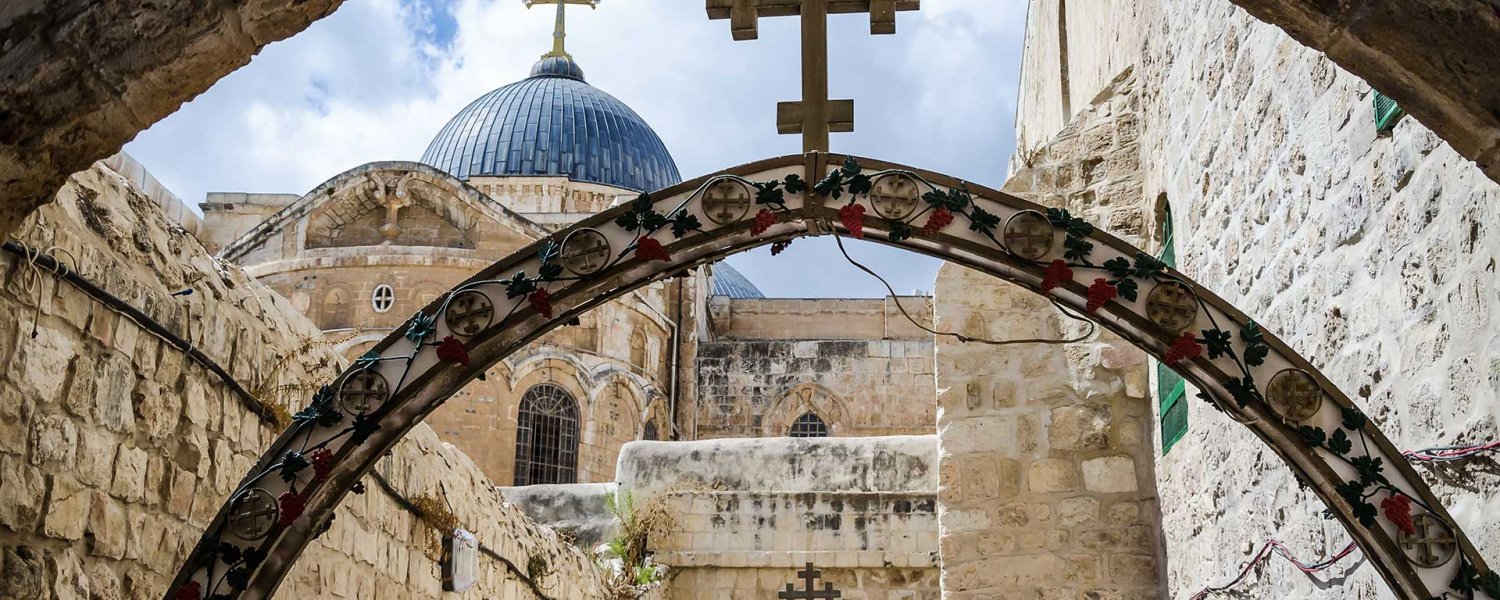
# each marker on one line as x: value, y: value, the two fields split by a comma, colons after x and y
x: 560, y: 30
x: 809, y: 577
x: 815, y: 116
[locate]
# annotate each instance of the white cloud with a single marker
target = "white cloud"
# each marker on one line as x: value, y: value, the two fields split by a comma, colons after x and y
x: 379, y: 78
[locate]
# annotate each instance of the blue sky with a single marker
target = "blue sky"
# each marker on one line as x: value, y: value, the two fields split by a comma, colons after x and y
x: 379, y: 78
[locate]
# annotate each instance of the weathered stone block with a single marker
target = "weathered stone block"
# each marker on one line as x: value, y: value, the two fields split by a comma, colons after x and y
x: 67, y: 509
x: 54, y: 441
x: 106, y: 526
x: 1111, y: 474
x: 1052, y: 475
x: 96, y: 457
x: 130, y: 474
x: 1083, y: 427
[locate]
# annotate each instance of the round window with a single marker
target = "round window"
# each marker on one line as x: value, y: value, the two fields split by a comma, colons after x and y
x: 383, y: 298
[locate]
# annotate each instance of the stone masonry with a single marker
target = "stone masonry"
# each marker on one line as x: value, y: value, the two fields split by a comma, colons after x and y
x: 116, y: 450
x: 1046, y: 475
x: 1371, y: 254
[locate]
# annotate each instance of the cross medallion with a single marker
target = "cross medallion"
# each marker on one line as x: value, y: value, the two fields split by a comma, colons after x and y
x: 585, y: 252
x: 252, y: 514
x: 1172, y: 305
x: 1294, y: 395
x: 815, y: 116
x: 895, y: 196
x: 809, y: 577
x: 363, y: 392
x: 469, y: 313
x: 1431, y: 546
x: 726, y: 202
x: 1028, y: 235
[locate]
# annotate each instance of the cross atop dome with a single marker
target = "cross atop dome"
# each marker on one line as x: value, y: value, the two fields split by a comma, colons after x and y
x: 559, y: 31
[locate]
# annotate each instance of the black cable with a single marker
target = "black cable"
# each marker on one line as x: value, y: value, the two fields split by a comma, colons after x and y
x: 143, y: 320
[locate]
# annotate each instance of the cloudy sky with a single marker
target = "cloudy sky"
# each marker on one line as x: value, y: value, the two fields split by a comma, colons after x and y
x: 379, y: 78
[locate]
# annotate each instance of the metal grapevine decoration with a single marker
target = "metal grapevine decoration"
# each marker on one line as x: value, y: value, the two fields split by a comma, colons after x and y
x: 1243, y: 371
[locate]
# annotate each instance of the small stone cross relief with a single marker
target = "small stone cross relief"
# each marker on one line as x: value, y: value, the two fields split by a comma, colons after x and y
x: 809, y: 577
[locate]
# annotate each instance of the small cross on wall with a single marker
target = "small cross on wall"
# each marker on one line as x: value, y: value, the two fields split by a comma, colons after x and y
x: 809, y: 577
x: 815, y: 116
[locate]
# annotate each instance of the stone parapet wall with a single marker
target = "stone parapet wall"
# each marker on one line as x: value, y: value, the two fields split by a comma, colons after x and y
x: 747, y: 514
x: 818, y: 318
x: 752, y: 388
x: 879, y: 464
x: 747, y: 544
x: 116, y: 449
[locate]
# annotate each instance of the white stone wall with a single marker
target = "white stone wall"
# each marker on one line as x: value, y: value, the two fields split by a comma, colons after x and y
x: 1373, y: 256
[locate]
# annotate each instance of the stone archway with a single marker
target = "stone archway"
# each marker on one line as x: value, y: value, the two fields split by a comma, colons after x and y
x: 1248, y: 373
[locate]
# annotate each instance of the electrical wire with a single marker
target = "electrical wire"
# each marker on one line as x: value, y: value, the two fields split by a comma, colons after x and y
x: 1435, y: 454
x: 958, y: 336
x: 1279, y: 549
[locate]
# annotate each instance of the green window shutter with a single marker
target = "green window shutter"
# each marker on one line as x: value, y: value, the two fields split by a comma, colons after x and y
x: 1170, y: 387
x: 1387, y: 112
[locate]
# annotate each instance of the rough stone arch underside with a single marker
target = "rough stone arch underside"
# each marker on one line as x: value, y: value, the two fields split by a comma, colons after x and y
x: 1249, y: 374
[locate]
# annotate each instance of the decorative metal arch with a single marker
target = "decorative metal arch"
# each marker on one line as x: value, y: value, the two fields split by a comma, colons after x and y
x: 1247, y: 373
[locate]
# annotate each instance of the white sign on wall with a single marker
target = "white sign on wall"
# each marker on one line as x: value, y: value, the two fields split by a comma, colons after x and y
x: 461, y: 561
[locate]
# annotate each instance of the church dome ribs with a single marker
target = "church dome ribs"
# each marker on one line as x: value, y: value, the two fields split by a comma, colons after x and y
x: 554, y: 123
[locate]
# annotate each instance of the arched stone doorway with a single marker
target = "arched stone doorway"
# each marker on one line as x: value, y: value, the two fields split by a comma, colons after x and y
x: 1248, y: 373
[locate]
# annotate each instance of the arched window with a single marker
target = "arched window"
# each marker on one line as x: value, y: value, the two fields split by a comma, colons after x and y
x: 650, y: 433
x: 547, y: 436
x: 383, y: 298
x: 808, y: 425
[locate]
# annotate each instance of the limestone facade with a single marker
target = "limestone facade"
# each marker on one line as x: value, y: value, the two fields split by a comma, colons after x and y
x: 1370, y: 253
x: 857, y: 364
x: 366, y: 250
x: 117, y: 448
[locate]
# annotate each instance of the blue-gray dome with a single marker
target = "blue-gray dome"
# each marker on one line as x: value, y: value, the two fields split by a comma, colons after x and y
x: 729, y: 282
x: 554, y: 123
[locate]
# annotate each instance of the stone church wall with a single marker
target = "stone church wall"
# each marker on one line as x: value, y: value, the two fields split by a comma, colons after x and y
x: 755, y: 388
x: 116, y: 449
x: 773, y: 360
x: 1374, y: 256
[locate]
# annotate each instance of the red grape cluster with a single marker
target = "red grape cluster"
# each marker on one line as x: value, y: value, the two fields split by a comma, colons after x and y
x: 853, y: 218
x: 191, y: 590
x: 763, y: 221
x: 292, y: 505
x: 1057, y: 274
x: 1184, y: 348
x: 1100, y: 293
x: 940, y: 218
x: 541, y: 300
x: 1397, y: 508
x: 452, y: 350
x: 649, y: 249
x: 322, y: 463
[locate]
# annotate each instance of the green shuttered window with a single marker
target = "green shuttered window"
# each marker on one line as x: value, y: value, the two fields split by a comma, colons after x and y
x: 1387, y: 112
x: 1170, y: 388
